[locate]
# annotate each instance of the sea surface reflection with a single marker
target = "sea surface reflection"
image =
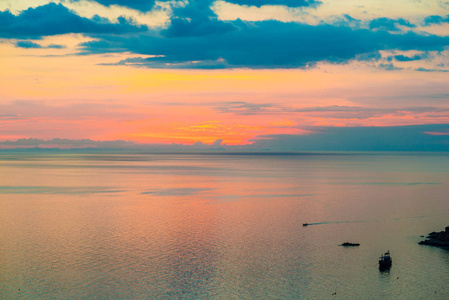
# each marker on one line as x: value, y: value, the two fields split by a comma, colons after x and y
x: 166, y: 226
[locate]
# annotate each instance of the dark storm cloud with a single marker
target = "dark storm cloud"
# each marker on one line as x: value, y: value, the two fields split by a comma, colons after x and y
x: 389, y: 24
x: 142, y: 5
x: 197, y: 39
x: 53, y: 19
x: 27, y: 44
x: 55, y: 46
x: 32, y: 45
x: 288, y: 3
x: 431, y: 70
x: 266, y: 44
x: 408, y: 58
x: 431, y: 20
x: 147, y: 5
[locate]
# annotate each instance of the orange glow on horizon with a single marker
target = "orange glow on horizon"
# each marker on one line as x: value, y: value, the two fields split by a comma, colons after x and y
x: 45, y: 96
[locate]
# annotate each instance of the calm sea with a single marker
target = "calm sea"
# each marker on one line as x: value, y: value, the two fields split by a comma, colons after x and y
x: 166, y: 226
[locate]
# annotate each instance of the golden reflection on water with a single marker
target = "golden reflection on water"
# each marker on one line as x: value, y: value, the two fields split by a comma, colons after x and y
x: 226, y: 227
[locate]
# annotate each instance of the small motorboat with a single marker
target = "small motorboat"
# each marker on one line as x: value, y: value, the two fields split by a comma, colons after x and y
x: 385, y: 261
x: 347, y: 244
x: 305, y: 224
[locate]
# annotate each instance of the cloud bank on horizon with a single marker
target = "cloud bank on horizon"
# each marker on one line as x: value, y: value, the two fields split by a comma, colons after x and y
x: 241, y: 71
x: 398, y: 138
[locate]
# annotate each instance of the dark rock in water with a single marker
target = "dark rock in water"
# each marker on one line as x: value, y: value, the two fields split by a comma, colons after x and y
x: 440, y: 239
x: 347, y: 244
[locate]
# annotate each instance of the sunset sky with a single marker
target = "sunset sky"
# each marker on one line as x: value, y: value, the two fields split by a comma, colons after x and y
x: 261, y: 72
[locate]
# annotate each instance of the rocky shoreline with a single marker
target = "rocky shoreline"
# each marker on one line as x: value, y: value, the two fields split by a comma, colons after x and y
x: 440, y: 239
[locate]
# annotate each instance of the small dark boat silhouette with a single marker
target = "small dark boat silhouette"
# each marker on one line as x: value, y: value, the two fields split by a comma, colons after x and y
x: 347, y: 244
x: 385, y: 261
x: 305, y: 224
